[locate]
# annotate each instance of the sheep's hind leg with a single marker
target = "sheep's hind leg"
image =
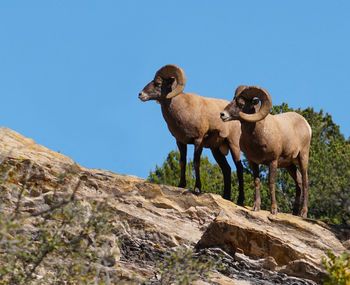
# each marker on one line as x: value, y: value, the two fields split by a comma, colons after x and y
x: 183, y: 153
x: 272, y: 175
x: 196, y: 163
x: 257, y: 202
x: 303, y: 162
x: 296, y: 175
x: 226, y: 171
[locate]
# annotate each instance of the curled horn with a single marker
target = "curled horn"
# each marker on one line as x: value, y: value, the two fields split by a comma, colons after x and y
x: 265, y: 99
x: 239, y: 89
x: 171, y: 70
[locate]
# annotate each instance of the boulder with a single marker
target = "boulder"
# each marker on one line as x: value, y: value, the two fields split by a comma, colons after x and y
x: 156, y: 219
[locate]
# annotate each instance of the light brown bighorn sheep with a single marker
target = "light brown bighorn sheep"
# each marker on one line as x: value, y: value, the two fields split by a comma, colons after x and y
x: 278, y: 141
x: 193, y: 119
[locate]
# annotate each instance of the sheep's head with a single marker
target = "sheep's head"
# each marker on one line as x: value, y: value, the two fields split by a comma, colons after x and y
x: 168, y: 82
x: 245, y: 105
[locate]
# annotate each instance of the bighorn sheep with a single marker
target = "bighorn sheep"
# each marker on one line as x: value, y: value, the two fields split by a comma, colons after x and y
x: 193, y: 119
x: 279, y: 141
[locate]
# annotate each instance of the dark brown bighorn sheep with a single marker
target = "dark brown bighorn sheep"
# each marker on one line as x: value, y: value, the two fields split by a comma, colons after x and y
x: 278, y: 141
x: 193, y: 119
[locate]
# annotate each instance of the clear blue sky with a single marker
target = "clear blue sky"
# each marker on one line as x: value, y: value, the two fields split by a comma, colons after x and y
x: 70, y: 71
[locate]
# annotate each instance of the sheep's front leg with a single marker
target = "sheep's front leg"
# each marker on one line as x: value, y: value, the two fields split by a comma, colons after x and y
x: 272, y: 175
x: 183, y: 153
x: 196, y: 163
x: 257, y: 202
x: 236, y: 156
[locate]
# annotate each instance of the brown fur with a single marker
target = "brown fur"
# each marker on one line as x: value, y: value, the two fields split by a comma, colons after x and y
x: 278, y: 141
x: 193, y: 119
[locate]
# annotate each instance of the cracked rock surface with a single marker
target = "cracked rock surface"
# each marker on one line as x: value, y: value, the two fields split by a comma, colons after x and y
x: 153, y: 220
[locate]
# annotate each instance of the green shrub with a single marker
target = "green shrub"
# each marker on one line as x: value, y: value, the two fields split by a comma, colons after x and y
x: 329, y: 173
x: 338, y: 268
x: 71, y: 241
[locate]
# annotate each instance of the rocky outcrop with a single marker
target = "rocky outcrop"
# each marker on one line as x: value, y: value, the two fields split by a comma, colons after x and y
x: 255, y: 247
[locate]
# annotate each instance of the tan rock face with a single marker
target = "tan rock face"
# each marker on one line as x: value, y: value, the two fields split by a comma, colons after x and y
x: 165, y: 217
x: 294, y: 244
x: 13, y: 144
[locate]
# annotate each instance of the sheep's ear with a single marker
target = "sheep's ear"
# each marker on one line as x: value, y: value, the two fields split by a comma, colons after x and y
x: 171, y: 80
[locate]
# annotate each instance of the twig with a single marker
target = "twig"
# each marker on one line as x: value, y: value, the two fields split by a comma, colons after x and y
x: 64, y: 202
x: 18, y: 204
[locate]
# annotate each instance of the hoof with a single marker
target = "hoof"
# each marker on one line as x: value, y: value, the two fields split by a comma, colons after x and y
x: 197, y: 191
x: 274, y: 210
x: 256, y: 208
x: 303, y: 213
